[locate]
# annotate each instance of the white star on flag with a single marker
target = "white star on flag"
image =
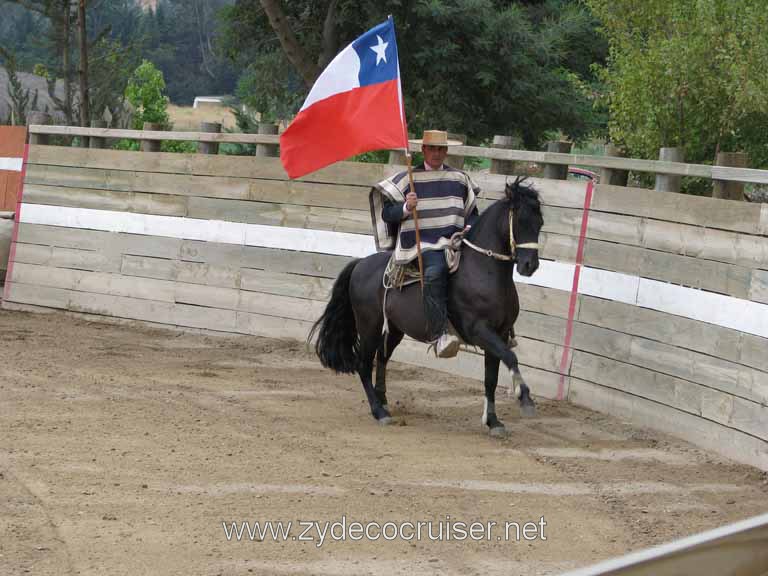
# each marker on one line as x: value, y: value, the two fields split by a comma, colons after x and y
x: 380, y: 50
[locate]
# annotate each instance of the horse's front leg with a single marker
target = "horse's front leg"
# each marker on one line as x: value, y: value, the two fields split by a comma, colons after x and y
x: 493, y: 344
x: 495, y: 426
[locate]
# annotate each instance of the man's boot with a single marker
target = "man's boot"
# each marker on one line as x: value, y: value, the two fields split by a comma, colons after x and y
x: 435, y: 308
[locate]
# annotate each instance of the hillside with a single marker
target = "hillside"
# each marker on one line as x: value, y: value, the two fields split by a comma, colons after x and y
x: 32, y: 83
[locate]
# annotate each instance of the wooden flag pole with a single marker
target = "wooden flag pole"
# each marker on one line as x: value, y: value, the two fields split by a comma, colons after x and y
x: 415, y: 220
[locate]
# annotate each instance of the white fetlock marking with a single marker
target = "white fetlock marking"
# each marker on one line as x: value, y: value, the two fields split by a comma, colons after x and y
x: 511, y: 385
x: 485, y: 411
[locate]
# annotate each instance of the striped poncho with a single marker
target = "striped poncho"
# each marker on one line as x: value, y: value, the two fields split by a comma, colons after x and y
x: 447, y: 198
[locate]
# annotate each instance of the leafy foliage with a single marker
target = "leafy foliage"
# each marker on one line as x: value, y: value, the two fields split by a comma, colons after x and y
x: 21, y: 31
x: 178, y: 146
x: 19, y: 97
x: 687, y: 73
x: 146, y: 93
x: 479, y: 67
x: 111, y: 67
x: 180, y: 39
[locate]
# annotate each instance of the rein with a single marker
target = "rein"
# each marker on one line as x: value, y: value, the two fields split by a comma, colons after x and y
x: 512, y: 257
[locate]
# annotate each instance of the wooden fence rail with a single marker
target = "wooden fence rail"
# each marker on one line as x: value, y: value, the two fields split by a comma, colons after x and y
x: 156, y: 135
x: 720, y: 173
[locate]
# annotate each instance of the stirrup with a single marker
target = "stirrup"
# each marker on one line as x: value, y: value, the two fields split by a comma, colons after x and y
x: 447, y: 345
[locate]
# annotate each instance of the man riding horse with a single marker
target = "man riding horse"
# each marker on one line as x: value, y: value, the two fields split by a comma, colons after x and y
x: 446, y: 203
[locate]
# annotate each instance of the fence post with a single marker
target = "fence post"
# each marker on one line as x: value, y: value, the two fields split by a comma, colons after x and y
x: 38, y: 118
x: 151, y: 145
x: 267, y: 149
x: 557, y: 171
x: 504, y: 166
x: 98, y: 141
x: 452, y: 160
x: 209, y: 147
x: 724, y: 188
x: 397, y: 157
x: 612, y: 176
x: 669, y: 182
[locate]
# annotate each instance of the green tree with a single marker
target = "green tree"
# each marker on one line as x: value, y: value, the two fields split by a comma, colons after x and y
x: 478, y: 67
x: 179, y: 38
x: 181, y: 41
x: 19, y: 96
x: 54, y: 26
x: 20, y: 32
x: 687, y: 73
x: 59, y: 40
x: 146, y: 93
x: 111, y: 66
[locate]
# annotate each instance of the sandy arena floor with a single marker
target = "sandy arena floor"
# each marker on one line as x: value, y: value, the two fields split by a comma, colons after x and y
x: 123, y: 448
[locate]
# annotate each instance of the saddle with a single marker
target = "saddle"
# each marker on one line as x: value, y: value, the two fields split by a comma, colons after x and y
x: 400, y: 275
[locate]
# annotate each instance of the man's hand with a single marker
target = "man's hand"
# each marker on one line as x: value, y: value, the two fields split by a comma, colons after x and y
x: 411, y: 200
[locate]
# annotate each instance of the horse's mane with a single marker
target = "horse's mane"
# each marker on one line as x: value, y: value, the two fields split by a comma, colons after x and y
x: 518, y: 195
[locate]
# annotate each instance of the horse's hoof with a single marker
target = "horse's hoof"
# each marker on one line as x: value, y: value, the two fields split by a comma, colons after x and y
x: 386, y: 421
x: 498, y: 432
x: 528, y: 410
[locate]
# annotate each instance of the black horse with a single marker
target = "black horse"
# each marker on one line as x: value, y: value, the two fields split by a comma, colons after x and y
x: 482, y: 305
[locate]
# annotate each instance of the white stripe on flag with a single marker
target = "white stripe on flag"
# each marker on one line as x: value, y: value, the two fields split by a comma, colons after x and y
x: 341, y: 75
x: 12, y: 164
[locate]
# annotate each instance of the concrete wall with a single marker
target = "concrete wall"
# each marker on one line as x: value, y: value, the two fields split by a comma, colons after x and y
x: 669, y: 325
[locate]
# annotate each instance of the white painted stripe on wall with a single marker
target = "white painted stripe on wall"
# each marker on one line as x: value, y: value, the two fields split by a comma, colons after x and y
x: 12, y: 164
x: 321, y: 241
x: 340, y: 243
x: 558, y: 275
x: 609, y: 285
x: 727, y: 311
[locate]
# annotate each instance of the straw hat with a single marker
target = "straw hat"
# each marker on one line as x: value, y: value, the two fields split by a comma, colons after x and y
x: 436, y: 138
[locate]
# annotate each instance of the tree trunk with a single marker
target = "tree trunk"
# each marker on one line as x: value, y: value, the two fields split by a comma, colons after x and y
x: 65, y: 63
x: 296, y: 55
x: 330, y: 40
x: 85, y: 113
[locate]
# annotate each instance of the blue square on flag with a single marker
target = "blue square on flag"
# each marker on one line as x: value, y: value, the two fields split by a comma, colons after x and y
x: 377, y: 51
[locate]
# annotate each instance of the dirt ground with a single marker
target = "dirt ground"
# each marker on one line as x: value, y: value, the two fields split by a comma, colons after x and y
x: 124, y: 448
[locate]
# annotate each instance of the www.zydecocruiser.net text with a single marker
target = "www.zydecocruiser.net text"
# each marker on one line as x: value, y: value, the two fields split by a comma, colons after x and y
x: 344, y: 530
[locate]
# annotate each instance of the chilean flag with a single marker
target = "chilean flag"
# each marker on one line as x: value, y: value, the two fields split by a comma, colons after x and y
x: 355, y: 106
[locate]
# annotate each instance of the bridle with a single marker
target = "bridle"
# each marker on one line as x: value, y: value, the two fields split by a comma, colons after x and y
x: 512, y: 256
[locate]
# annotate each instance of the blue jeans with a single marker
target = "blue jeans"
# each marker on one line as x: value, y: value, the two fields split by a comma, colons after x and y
x: 435, y: 292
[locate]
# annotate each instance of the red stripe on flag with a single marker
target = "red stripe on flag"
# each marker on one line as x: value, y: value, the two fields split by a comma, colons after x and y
x: 341, y: 126
x: 16, y: 222
x: 574, y: 292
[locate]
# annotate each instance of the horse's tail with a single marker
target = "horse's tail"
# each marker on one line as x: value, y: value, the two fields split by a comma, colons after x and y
x: 337, y: 343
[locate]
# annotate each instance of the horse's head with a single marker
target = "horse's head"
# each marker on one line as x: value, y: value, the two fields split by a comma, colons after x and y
x: 526, y: 222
